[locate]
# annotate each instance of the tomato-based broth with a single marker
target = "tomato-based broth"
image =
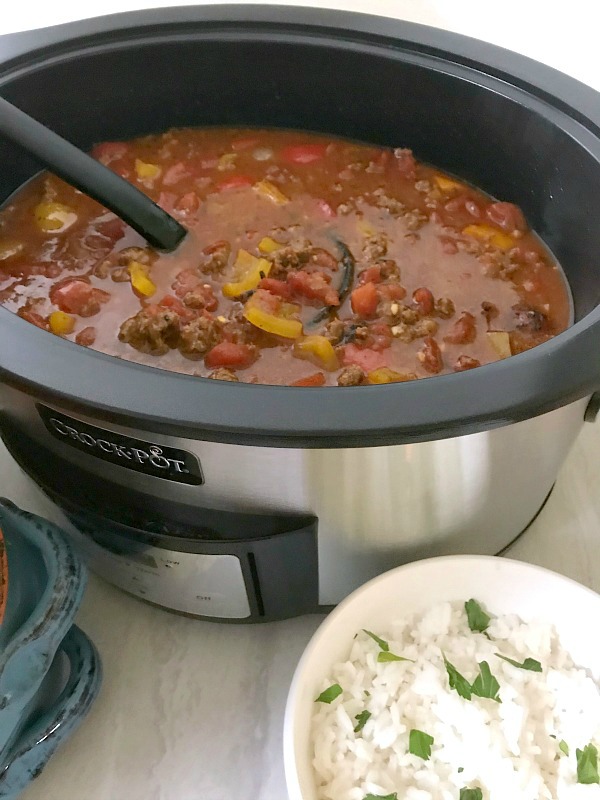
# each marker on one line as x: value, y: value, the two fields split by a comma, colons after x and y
x: 309, y: 261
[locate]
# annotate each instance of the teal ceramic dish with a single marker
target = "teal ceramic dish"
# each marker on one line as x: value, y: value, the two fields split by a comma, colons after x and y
x: 64, y: 698
x: 45, y: 582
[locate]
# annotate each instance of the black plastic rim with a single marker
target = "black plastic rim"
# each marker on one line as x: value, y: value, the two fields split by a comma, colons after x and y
x: 551, y: 375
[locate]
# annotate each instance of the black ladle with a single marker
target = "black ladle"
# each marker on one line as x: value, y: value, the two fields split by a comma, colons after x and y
x: 91, y: 177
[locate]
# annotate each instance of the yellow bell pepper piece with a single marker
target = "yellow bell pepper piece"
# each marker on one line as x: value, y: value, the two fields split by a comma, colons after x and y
x: 365, y: 228
x: 269, y: 191
x: 146, y: 171
x: 486, y: 233
x: 271, y: 323
x: 54, y: 216
x: 500, y: 341
x: 140, y: 280
x: 319, y: 350
x: 268, y: 245
x: 10, y: 248
x: 250, y: 269
x: 387, y: 375
x: 446, y: 184
x: 227, y: 161
x: 61, y: 323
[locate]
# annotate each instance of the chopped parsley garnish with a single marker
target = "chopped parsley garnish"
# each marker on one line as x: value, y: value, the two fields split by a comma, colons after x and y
x: 563, y: 747
x: 587, y: 764
x: 419, y: 744
x: 460, y: 769
x: 393, y: 796
x: 485, y: 685
x: 530, y: 663
x: 384, y: 657
x: 329, y: 694
x: 457, y: 681
x: 471, y: 794
x: 361, y: 720
x: 476, y: 616
x: 381, y: 642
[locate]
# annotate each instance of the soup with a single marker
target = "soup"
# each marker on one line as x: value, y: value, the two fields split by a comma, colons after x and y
x: 309, y: 261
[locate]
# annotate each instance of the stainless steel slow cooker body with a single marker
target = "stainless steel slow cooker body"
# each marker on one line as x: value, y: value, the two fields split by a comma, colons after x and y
x: 257, y: 502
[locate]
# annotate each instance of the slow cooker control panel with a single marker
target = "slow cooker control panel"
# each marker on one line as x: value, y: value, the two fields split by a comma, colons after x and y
x: 195, y: 583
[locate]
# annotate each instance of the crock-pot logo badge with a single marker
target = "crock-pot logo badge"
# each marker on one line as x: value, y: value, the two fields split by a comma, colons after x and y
x: 160, y: 461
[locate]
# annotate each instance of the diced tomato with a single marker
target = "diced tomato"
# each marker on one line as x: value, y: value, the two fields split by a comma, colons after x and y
x: 364, y: 357
x: 109, y: 151
x: 364, y: 300
x: 304, y: 153
x: 370, y: 275
x: 167, y: 200
x: 244, y: 143
x: 279, y: 288
x: 314, y: 286
x: 78, y: 297
x: 393, y: 291
x: 235, y: 182
x: 423, y: 299
x: 507, y: 216
x: 176, y: 173
x: 318, y: 379
x: 201, y: 297
x: 464, y: 330
x: 185, y: 281
x: 325, y: 209
x: 112, y: 229
x: 189, y: 203
x: 174, y: 304
x: 86, y: 337
x: 230, y: 354
x: 380, y: 336
x: 405, y: 163
x: 35, y: 319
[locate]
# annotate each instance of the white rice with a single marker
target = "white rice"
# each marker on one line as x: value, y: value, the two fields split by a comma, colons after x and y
x: 506, y: 749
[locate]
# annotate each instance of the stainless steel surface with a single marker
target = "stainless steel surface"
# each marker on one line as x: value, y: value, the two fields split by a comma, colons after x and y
x: 199, y: 584
x: 377, y: 507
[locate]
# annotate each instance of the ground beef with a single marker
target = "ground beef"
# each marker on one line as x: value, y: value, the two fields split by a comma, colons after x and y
x: 404, y: 332
x: 389, y: 270
x: 375, y: 247
x: 202, y: 296
x: 409, y: 315
x: 294, y: 256
x: 489, y: 311
x: 152, y: 330
x: 529, y: 319
x: 323, y: 259
x: 223, y: 374
x: 118, y: 262
x: 351, y: 376
x: 414, y: 219
x: 215, y: 257
x: 425, y: 327
x: 395, y: 207
x: 444, y: 308
x: 334, y: 331
x: 199, y: 336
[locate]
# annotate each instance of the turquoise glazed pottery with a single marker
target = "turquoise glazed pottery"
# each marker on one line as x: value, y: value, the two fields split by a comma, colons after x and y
x: 49, y: 670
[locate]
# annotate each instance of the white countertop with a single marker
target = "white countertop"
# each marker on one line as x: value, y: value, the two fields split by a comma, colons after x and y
x: 193, y: 710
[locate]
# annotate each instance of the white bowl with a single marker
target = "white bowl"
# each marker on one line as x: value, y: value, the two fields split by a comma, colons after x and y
x: 502, y: 585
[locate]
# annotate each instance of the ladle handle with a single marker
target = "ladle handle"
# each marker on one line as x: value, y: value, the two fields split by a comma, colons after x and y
x: 91, y: 177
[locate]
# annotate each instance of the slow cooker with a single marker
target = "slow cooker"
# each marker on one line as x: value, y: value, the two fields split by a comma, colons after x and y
x: 244, y: 502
